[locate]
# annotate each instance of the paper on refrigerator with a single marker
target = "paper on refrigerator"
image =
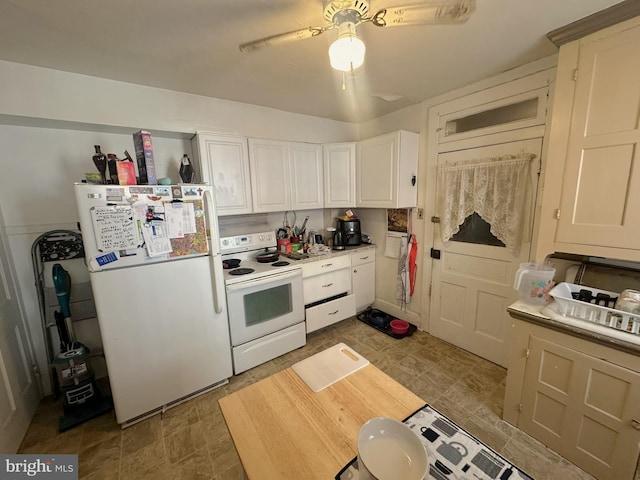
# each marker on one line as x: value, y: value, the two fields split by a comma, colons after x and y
x: 154, y: 229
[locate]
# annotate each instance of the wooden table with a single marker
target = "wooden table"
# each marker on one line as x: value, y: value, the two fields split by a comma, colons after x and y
x: 282, y: 429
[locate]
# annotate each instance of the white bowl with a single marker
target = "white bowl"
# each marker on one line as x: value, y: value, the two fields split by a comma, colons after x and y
x: 390, y: 450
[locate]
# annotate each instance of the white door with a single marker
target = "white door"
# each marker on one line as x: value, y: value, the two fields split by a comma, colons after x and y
x: 472, y: 282
x: 19, y: 395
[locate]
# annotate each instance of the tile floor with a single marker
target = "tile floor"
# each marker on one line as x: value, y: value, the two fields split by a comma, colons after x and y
x: 191, y: 440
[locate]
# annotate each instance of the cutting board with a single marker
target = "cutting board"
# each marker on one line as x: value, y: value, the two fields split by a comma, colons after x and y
x: 327, y: 367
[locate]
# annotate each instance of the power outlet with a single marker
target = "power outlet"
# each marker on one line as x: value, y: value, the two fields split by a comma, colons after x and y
x: 420, y: 213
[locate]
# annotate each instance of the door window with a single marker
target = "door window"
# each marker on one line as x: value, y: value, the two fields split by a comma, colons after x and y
x: 475, y: 230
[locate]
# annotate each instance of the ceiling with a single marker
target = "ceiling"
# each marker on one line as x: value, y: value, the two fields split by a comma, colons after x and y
x: 192, y: 46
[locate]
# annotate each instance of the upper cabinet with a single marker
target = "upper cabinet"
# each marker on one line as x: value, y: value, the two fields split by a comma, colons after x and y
x: 387, y: 170
x: 306, y: 176
x: 285, y: 175
x: 224, y: 163
x: 596, y: 132
x: 339, y: 175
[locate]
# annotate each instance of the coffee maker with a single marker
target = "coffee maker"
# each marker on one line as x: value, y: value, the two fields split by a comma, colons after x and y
x: 350, y: 232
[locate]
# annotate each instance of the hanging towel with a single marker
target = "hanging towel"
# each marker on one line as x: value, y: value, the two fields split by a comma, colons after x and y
x: 413, y: 253
x: 402, y: 279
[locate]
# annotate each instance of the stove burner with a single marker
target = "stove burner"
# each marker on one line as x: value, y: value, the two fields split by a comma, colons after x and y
x: 280, y: 263
x: 241, y: 271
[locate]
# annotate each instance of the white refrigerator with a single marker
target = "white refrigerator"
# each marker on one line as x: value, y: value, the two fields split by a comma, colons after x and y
x: 153, y: 253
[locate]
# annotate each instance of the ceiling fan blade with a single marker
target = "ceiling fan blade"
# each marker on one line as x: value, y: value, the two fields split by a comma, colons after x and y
x: 283, y: 38
x: 448, y: 11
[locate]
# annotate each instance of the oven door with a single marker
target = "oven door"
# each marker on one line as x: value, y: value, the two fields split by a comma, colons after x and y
x: 264, y: 305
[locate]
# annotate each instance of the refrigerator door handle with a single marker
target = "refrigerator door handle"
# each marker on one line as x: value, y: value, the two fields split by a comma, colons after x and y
x: 217, y: 275
x: 214, y: 232
x: 218, y: 282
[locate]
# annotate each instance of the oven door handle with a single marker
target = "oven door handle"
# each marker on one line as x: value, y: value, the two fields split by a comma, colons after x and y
x: 264, y: 280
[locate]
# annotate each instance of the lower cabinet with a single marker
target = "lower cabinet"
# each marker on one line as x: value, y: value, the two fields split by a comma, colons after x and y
x: 327, y: 290
x: 363, y: 277
x: 579, y: 398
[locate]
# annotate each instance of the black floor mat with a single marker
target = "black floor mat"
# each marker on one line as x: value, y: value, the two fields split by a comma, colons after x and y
x: 380, y: 321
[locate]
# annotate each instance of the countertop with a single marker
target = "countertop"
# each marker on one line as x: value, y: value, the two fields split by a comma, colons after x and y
x: 334, y: 253
x: 544, y: 316
x: 282, y: 429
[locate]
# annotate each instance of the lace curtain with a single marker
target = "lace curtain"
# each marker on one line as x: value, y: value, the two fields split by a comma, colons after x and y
x: 498, y: 189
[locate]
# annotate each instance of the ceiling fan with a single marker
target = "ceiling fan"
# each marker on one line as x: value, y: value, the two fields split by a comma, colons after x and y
x: 347, y: 51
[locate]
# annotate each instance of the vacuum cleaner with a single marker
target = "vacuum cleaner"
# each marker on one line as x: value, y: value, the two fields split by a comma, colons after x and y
x: 82, y: 400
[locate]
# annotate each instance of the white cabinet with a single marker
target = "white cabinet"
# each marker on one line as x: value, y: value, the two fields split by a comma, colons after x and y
x: 327, y: 291
x: 387, y: 171
x: 306, y: 176
x: 224, y: 163
x: 595, y: 136
x: 339, y: 175
x: 363, y: 277
x: 285, y: 175
x: 579, y: 398
x: 270, y: 175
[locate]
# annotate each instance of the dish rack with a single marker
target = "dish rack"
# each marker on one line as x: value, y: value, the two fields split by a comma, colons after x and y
x: 593, y: 305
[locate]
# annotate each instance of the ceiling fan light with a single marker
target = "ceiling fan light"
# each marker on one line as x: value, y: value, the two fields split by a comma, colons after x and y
x: 347, y: 51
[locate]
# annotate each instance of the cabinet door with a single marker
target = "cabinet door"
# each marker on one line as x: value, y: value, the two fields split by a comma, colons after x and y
x: 224, y: 162
x: 270, y: 179
x: 364, y: 284
x: 601, y: 183
x: 583, y: 408
x: 339, y: 175
x: 306, y: 176
x: 386, y: 171
x: 376, y: 172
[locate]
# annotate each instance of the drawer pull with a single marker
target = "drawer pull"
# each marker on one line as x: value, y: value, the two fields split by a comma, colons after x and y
x: 333, y: 313
x: 364, y: 258
x: 327, y: 285
x: 635, y: 423
x: 327, y: 265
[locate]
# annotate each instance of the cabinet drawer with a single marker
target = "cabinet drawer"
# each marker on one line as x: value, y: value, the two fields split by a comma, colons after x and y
x: 326, y: 285
x: 329, y: 313
x: 363, y: 256
x: 324, y: 266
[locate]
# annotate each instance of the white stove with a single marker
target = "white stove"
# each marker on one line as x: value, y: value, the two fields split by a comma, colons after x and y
x: 265, y: 300
x: 245, y: 248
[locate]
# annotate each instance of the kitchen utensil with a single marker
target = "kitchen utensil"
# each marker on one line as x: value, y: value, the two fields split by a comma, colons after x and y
x: 267, y: 257
x: 390, y: 450
x: 327, y: 367
x: 231, y: 263
x: 304, y: 224
x: 338, y: 240
x: 399, y: 326
x: 532, y: 281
